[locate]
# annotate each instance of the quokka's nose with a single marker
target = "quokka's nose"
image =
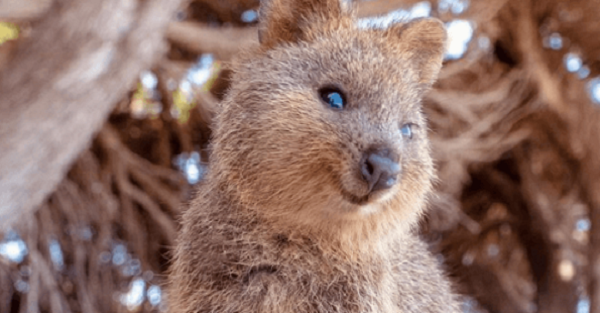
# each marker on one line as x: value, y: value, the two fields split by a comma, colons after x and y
x: 380, y: 169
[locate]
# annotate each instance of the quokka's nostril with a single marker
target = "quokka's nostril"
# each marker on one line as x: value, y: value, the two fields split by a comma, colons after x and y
x: 369, y: 167
x: 380, y: 169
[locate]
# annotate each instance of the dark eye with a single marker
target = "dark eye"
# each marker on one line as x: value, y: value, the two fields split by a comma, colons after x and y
x: 407, y: 130
x: 333, y: 97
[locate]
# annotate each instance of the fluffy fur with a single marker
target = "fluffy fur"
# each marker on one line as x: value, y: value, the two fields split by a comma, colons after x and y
x: 283, y: 221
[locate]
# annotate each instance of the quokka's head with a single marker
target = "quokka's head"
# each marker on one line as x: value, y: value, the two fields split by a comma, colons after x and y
x: 323, y: 121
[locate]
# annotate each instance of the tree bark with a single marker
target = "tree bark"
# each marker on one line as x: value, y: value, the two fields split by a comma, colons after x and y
x: 23, y: 9
x: 61, y: 85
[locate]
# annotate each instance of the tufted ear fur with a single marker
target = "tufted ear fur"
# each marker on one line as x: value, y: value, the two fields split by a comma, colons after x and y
x: 425, y: 41
x: 287, y: 20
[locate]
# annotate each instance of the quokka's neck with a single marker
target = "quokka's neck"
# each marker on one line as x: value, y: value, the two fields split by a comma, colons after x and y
x: 351, y: 235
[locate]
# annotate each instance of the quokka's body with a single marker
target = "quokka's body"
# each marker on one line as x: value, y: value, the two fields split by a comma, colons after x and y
x: 320, y: 169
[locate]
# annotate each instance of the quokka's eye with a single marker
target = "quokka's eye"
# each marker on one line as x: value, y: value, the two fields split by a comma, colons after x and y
x: 407, y: 130
x: 333, y: 97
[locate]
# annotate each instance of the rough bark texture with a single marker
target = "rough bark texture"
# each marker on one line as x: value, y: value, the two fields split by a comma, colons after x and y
x: 61, y: 85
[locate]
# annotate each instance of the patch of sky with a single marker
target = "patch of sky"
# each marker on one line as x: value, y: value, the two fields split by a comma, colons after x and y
x: 484, y: 43
x: 182, y: 100
x: 144, y: 101
x: 133, y: 267
x: 583, y: 224
x: 56, y: 254
x: 201, y: 72
x: 583, y: 305
x: 135, y: 296
x: 105, y: 257
x: 190, y: 165
x: 493, y: 250
x: 583, y: 72
x: 148, y: 275
x: 12, y: 247
x: 171, y: 84
x: 249, y: 16
x: 149, y: 80
x: 468, y: 258
x: 119, y: 254
x: 21, y: 286
x: 554, y: 41
x: 455, y: 6
x: 594, y: 89
x: 154, y: 295
x: 185, y: 86
x: 460, y: 33
x: 419, y: 9
x: 86, y: 233
x: 572, y: 62
x: 469, y: 305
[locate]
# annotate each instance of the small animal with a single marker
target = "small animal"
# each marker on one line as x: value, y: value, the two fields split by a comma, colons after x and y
x: 320, y: 170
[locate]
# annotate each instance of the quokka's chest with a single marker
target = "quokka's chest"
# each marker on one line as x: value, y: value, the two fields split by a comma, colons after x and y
x: 330, y: 285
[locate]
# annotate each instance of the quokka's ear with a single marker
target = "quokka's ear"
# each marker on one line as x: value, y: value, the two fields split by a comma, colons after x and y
x: 287, y: 20
x: 425, y: 41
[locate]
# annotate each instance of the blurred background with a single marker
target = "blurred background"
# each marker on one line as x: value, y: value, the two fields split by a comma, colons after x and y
x: 105, y: 118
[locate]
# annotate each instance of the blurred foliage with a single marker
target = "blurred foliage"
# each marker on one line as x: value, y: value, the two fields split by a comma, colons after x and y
x: 8, y: 31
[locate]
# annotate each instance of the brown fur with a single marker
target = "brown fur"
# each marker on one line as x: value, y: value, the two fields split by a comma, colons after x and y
x: 276, y: 226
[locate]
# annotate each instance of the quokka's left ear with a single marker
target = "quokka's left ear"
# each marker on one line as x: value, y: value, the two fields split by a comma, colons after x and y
x: 425, y: 42
x: 286, y: 20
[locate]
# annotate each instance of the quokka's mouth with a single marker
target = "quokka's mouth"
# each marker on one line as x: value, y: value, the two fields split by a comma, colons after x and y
x: 371, y: 197
x: 354, y: 199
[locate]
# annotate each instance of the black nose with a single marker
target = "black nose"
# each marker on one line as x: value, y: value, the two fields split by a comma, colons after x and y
x: 380, y: 169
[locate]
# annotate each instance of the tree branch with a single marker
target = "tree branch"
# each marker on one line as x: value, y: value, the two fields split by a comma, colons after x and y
x: 61, y: 85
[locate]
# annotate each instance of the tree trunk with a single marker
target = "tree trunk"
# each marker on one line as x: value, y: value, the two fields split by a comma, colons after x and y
x: 61, y: 85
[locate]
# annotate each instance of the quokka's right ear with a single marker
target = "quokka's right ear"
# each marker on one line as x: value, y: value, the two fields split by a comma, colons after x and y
x: 288, y: 20
x: 425, y: 41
